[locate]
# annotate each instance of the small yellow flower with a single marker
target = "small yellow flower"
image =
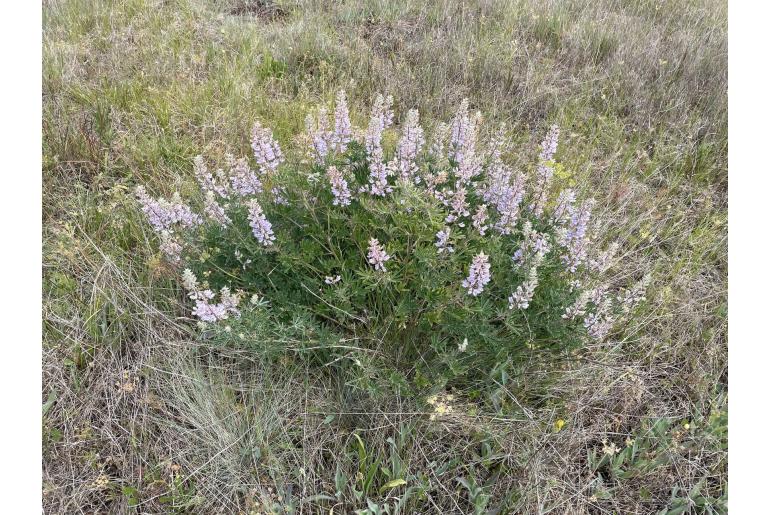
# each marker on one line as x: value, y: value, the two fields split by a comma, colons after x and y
x: 559, y: 424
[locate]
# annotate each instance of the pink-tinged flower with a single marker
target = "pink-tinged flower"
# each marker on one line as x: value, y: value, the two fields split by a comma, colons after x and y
x: 545, y: 170
x: 377, y: 255
x: 163, y: 214
x: 261, y: 228
x: 480, y: 218
x: 442, y: 241
x: 339, y: 187
x: 478, y: 275
x: 243, y: 180
x: 380, y: 119
x: 206, y: 179
x: 267, y: 153
x: 343, y: 131
x: 214, y: 210
x: 412, y: 139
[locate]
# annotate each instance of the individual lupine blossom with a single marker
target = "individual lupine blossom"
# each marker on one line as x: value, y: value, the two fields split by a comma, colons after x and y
x: 574, y: 238
x: 170, y: 247
x: 163, y: 214
x: 534, y: 245
x: 206, y: 179
x: 508, y: 204
x: 563, y: 205
x: 442, y: 241
x: 319, y: 134
x: 339, y: 187
x: 411, y: 142
x: 478, y: 275
x: 377, y: 255
x: 260, y: 226
x: 545, y: 170
x: 480, y: 218
x: 525, y: 291
x: 630, y: 298
x: 458, y: 205
x: 267, y: 152
x: 602, y: 262
x: 243, y: 180
x: 343, y: 131
x: 332, y: 280
x: 380, y: 119
x: 214, y: 210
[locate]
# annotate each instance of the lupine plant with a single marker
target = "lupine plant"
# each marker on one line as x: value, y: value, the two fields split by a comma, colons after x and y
x: 433, y: 253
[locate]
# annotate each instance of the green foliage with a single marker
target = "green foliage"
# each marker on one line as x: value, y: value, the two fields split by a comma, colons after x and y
x: 410, y: 319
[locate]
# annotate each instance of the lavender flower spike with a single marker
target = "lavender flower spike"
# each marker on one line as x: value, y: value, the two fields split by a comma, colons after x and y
x: 342, y: 128
x: 214, y: 210
x: 377, y: 255
x: 478, y: 275
x: 266, y: 150
x: 410, y: 144
x: 545, y: 170
x: 262, y: 229
x: 162, y: 213
x: 319, y: 135
x: 339, y: 187
x: 524, y: 292
x: 442, y: 241
x: 378, y: 122
x: 480, y: 219
x: 575, y: 237
x: 243, y: 181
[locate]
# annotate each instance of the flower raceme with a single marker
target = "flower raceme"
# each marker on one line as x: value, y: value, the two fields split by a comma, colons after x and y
x: 489, y: 215
x: 377, y: 255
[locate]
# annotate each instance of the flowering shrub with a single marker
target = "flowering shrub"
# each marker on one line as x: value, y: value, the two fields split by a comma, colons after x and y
x: 432, y: 253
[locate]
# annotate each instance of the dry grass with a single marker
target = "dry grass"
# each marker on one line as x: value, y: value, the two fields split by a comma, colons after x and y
x: 145, y: 413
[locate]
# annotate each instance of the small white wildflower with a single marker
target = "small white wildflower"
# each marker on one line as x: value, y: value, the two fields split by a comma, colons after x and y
x: 463, y: 346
